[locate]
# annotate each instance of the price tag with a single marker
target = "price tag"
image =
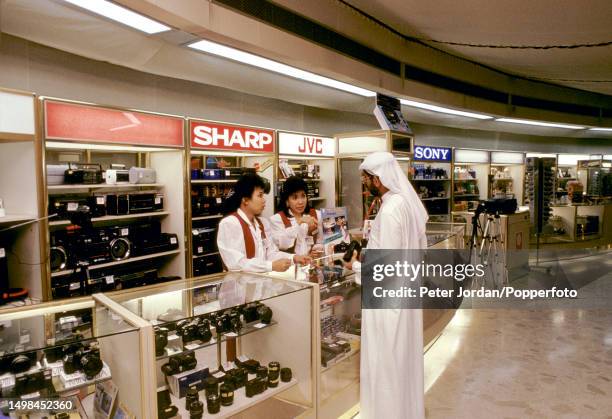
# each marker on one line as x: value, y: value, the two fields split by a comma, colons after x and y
x: 100, y: 200
x: 24, y: 339
x: 75, y: 286
x: 211, y: 173
x: 200, y: 249
x: 31, y: 396
x: 243, y: 358
x: 110, y: 279
x: 231, y: 335
x: 219, y: 374
x: 228, y: 173
x: 219, y: 200
x: 192, y: 346
x: 173, y: 240
x: 157, y: 200
x: 260, y: 325
x: 342, y: 342
x: 72, y: 206
x: 195, y: 232
x: 125, y: 231
x: 2, y: 253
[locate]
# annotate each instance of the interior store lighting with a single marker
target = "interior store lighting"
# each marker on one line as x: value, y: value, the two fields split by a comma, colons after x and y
x: 57, y: 145
x: 441, y: 109
x: 601, y: 129
x: 276, y: 67
x: 121, y: 15
x: 538, y: 123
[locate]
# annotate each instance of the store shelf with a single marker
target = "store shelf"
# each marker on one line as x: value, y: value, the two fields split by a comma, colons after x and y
x: 316, y: 199
x: 246, y: 330
x: 207, y: 254
x: 81, y: 382
x: 207, y: 217
x: 431, y: 180
x: 11, y: 219
x: 114, y: 218
x: 205, y: 181
x: 241, y: 401
x: 104, y: 186
x: 119, y: 262
x: 434, y: 199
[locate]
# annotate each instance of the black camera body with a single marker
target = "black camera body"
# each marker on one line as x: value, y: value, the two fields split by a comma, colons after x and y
x: 82, y: 358
x: 254, y: 387
x: 161, y: 340
x: 180, y: 363
x: 500, y: 206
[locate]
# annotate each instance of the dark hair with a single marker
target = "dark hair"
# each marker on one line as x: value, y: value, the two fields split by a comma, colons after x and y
x: 244, y: 188
x: 292, y: 185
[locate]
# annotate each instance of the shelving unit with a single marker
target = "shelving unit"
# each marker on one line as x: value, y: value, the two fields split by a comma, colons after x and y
x: 471, y: 169
x: 208, y: 195
x: 431, y: 175
x: 158, y: 145
x: 20, y: 258
x: 506, y: 178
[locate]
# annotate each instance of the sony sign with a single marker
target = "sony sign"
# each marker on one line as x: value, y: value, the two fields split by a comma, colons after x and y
x: 230, y: 137
x: 423, y: 152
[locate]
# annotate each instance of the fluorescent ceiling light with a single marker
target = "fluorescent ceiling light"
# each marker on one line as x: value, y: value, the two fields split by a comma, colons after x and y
x: 121, y: 15
x: 443, y: 110
x: 537, y: 123
x: 56, y: 145
x: 601, y: 129
x: 276, y: 67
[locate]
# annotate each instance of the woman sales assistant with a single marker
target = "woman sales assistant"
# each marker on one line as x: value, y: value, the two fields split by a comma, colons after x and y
x: 296, y: 227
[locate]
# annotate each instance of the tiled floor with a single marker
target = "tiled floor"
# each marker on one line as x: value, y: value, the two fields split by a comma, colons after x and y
x: 514, y: 363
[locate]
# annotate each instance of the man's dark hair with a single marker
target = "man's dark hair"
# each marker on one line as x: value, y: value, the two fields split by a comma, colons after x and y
x: 292, y: 185
x: 244, y: 188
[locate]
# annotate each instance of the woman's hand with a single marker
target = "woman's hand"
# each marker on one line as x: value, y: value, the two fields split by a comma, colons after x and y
x: 301, y: 260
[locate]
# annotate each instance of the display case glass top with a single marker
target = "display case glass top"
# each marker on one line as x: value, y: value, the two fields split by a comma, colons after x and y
x: 189, y: 298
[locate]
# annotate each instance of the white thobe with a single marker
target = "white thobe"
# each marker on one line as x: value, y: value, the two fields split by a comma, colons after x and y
x: 230, y: 240
x: 296, y: 235
x: 392, y: 384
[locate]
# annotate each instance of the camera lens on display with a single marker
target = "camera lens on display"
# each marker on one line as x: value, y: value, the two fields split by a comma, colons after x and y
x: 286, y: 375
x: 273, y: 367
x: 20, y: 363
x: 196, y: 410
x: 192, y: 396
x: 273, y: 379
x: 167, y: 412
x: 213, y: 404
x: 227, y: 395
x: 211, y: 386
x: 91, y: 364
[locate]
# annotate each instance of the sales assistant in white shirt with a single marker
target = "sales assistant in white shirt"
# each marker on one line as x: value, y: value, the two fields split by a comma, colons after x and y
x: 242, y: 238
x: 296, y: 227
x: 392, y: 383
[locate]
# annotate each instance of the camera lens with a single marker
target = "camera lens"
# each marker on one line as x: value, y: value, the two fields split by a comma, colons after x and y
x: 213, y: 404
x: 227, y: 395
x: 196, y: 410
x: 211, y: 386
x: 286, y: 375
x: 192, y: 396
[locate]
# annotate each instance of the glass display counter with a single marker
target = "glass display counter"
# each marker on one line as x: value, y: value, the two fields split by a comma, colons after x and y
x: 246, y: 338
x: 76, y: 353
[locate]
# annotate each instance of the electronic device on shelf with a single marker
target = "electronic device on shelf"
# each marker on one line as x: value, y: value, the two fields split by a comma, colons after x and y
x: 207, y: 265
x: 140, y: 175
x: 204, y: 240
x: 56, y: 173
x: 86, y: 174
x: 116, y: 175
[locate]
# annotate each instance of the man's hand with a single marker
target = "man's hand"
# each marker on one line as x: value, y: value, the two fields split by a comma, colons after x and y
x: 349, y: 265
x: 302, y: 260
x: 281, y: 265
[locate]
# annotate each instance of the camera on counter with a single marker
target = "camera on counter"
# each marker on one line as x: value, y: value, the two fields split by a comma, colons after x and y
x: 85, y: 358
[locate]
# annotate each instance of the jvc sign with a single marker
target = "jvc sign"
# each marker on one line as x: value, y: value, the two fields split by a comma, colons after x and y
x: 423, y: 152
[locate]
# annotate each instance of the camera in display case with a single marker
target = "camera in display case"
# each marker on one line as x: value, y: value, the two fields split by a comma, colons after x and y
x: 52, y: 351
x: 216, y: 343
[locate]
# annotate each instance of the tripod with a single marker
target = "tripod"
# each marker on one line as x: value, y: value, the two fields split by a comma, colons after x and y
x: 490, y: 246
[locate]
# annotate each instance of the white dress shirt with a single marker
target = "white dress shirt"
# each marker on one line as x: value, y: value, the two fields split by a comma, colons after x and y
x: 296, y: 235
x: 230, y: 240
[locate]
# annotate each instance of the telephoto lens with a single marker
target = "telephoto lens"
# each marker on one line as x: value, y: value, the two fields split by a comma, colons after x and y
x: 273, y: 374
x: 192, y: 396
x: 227, y: 395
x: 213, y: 403
x: 196, y: 410
x: 285, y: 375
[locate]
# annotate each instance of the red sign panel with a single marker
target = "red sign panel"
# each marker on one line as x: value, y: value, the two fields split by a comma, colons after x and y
x: 215, y: 136
x: 75, y: 122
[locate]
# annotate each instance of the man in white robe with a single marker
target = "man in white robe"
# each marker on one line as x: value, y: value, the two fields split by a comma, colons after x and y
x: 392, y: 384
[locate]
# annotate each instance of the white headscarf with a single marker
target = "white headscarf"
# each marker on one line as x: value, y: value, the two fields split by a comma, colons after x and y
x: 384, y: 165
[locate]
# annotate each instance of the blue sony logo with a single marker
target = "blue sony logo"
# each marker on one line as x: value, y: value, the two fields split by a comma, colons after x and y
x: 423, y: 152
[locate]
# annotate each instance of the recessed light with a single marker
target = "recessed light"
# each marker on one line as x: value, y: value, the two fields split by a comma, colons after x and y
x: 538, y: 123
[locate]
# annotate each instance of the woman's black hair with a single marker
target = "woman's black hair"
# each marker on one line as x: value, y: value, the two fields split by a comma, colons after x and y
x: 244, y: 188
x: 292, y: 185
